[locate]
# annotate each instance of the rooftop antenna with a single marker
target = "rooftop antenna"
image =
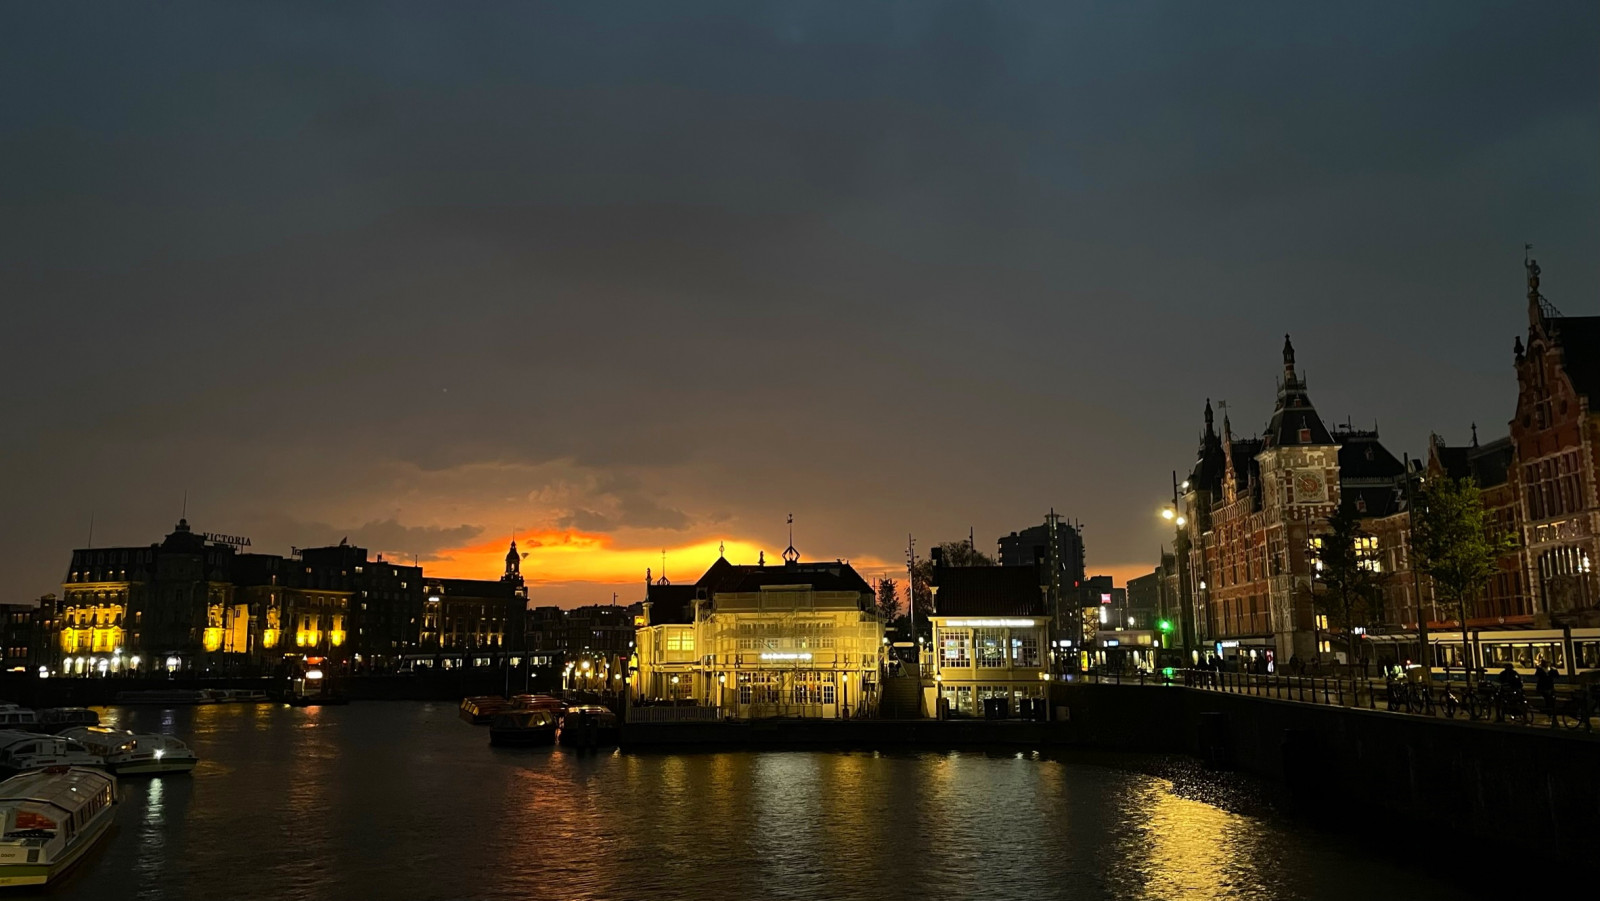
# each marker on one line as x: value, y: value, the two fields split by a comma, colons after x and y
x: 91, y: 528
x: 663, y: 566
x: 185, y: 513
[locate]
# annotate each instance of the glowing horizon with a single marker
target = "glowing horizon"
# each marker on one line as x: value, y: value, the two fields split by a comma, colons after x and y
x: 557, y: 557
x: 570, y: 567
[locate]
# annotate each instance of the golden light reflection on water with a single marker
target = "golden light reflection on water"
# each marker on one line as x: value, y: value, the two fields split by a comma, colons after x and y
x: 403, y: 801
x: 1176, y: 847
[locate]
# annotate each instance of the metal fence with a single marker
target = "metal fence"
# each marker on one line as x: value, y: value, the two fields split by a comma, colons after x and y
x: 671, y: 714
x: 1569, y: 709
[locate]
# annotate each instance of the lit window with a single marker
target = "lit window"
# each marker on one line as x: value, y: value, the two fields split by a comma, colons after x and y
x: 1025, y: 651
x: 953, y: 647
x: 989, y: 647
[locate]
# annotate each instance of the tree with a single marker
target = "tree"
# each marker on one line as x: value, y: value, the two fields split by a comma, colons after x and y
x: 1456, y: 545
x: 1351, y: 589
x: 888, y: 600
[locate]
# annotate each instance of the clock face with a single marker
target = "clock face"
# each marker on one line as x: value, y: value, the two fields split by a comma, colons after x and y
x: 1309, y: 486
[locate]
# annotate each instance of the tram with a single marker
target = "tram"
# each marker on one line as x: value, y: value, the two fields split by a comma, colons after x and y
x: 1573, y: 652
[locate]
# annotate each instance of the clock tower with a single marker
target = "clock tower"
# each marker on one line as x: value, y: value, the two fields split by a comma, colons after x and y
x: 1299, y: 463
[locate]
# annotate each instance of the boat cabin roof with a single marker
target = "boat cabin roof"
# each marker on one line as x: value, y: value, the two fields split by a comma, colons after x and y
x: 65, y: 787
x: 105, y: 735
x: 9, y: 738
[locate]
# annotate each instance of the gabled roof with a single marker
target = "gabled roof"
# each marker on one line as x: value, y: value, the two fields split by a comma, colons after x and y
x: 840, y: 578
x: 1579, y: 337
x: 1488, y: 465
x: 1362, y: 457
x: 988, y: 591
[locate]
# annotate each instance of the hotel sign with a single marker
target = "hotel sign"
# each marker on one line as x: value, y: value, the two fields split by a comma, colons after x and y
x: 236, y: 541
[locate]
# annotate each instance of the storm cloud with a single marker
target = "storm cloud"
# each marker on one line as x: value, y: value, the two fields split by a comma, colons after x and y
x: 675, y: 270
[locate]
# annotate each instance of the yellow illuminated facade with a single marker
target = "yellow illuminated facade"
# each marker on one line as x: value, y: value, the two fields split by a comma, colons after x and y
x: 797, y: 641
x: 978, y: 658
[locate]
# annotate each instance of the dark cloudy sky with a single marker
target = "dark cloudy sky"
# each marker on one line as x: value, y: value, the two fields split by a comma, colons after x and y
x: 626, y: 277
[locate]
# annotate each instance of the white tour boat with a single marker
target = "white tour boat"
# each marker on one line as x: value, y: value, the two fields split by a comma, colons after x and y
x: 126, y: 753
x: 50, y: 819
x: 15, y: 717
x: 22, y: 752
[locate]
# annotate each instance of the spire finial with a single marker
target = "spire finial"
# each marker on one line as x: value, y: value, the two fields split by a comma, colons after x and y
x: 1474, y: 434
x: 1288, y: 356
x: 722, y: 551
x: 790, y: 555
x: 1208, y: 416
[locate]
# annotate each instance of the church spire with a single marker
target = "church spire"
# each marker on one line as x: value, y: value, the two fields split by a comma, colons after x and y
x: 514, y: 566
x: 1209, y: 430
x: 1288, y: 358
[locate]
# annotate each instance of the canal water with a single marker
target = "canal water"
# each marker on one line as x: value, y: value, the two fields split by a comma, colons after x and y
x: 400, y: 801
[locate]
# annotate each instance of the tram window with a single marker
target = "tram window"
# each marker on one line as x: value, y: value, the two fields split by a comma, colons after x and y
x: 1588, y: 654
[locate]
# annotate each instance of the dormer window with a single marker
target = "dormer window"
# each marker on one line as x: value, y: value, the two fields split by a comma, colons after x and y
x: 1305, y: 436
x: 1361, y: 505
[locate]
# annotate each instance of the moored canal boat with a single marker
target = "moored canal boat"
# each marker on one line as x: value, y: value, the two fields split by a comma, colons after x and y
x: 60, y: 719
x: 168, y: 697
x: 13, y: 716
x: 127, y: 753
x: 588, y: 726
x: 50, y: 819
x: 22, y: 752
x: 523, y: 727
x: 480, y: 709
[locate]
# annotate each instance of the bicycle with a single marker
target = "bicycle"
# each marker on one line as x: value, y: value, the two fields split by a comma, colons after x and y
x: 1575, y: 710
x: 1420, y: 698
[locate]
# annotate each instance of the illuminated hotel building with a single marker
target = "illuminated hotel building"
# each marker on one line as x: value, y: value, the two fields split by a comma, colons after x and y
x: 168, y: 605
x: 991, y: 633
x: 200, y: 602
x: 796, y: 639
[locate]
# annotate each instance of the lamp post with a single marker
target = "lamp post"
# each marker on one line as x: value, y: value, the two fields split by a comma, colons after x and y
x: 1180, y: 558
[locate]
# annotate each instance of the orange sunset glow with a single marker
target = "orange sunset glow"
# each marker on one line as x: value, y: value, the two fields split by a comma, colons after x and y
x: 562, y: 556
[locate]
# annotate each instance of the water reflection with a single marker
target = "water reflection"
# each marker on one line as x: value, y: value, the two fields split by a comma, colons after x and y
x: 404, y: 801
